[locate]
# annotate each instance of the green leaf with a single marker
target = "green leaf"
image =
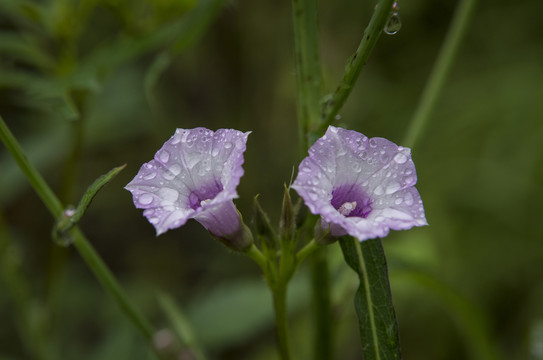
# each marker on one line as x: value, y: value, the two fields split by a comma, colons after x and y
x: 373, y: 300
x: 70, y: 217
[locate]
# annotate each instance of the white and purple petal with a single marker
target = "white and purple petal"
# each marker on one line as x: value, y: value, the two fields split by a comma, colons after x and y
x: 361, y: 187
x: 193, y: 176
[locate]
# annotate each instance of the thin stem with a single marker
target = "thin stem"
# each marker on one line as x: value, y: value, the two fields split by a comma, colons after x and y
x: 322, y: 310
x: 36, y: 180
x: 85, y: 249
x: 308, y: 68
x: 306, y: 250
x: 281, y: 323
x: 440, y: 72
x: 254, y: 253
x: 334, y: 102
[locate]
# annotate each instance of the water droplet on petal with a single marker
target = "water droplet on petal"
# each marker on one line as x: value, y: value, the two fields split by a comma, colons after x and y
x: 164, y: 156
x: 393, y: 25
x: 227, y: 145
x: 306, y: 169
x: 150, y: 176
x: 168, y: 175
x: 356, y: 167
x: 408, y: 198
x: 176, y: 138
x: 373, y: 143
x: 379, y: 190
x: 398, y: 201
x: 215, y: 152
x: 392, y: 187
x: 175, y: 169
x: 145, y: 199
x: 400, y: 158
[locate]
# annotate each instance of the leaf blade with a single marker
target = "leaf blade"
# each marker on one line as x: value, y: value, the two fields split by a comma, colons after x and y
x: 373, y: 300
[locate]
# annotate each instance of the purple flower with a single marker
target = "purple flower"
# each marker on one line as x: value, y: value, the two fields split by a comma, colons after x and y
x: 359, y: 186
x: 194, y: 176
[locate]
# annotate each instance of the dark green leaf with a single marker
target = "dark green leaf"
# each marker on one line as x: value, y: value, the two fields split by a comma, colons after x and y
x: 373, y: 300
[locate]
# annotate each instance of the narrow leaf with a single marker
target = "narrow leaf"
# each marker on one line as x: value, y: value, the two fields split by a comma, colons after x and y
x: 70, y: 217
x: 373, y: 300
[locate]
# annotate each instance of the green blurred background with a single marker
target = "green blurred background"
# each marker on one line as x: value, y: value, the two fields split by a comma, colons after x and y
x: 91, y: 84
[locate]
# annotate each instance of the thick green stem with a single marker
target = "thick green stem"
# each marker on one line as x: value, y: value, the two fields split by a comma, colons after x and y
x: 281, y: 320
x: 434, y: 86
x: 308, y: 69
x: 334, y: 102
x: 85, y: 249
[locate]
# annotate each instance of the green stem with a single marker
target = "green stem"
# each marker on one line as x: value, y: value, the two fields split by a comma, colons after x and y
x: 442, y: 67
x: 322, y: 309
x: 308, y: 69
x: 257, y: 256
x: 36, y: 180
x: 281, y: 323
x: 334, y: 102
x: 85, y: 249
x: 306, y: 250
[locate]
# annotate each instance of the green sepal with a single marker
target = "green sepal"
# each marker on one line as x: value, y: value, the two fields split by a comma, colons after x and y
x: 264, y: 231
x: 287, y: 222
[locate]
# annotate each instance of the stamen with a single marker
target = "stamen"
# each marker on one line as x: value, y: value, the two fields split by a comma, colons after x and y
x: 347, y: 208
x: 203, y: 202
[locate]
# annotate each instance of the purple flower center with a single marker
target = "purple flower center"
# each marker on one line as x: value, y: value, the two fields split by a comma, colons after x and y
x: 351, y: 201
x: 205, y: 194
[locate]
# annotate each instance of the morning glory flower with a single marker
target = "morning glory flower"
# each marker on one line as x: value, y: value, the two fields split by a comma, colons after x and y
x: 359, y: 186
x: 194, y: 176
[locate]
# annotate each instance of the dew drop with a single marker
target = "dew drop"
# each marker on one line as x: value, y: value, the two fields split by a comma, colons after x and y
x: 398, y: 201
x: 175, y: 138
x: 373, y: 143
x: 175, y: 169
x: 313, y: 196
x: 164, y: 156
x: 333, y: 128
x: 393, y: 25
x: 379, y: 190
x: 356, y: 167
x: 145, y: 199
x: 392, y: 187
x: 150, y: 176
x: 400, y: 158
x: 215, y: 152
x: 306, y: 169
x: 168, y: 175
x: 408, y: 198
x: 227, y: 145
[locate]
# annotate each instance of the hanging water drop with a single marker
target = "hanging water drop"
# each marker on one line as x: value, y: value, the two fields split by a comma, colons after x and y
x: 394, y: 24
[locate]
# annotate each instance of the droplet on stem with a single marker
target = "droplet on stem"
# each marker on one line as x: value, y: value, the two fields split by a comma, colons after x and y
x: 394, y: 24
